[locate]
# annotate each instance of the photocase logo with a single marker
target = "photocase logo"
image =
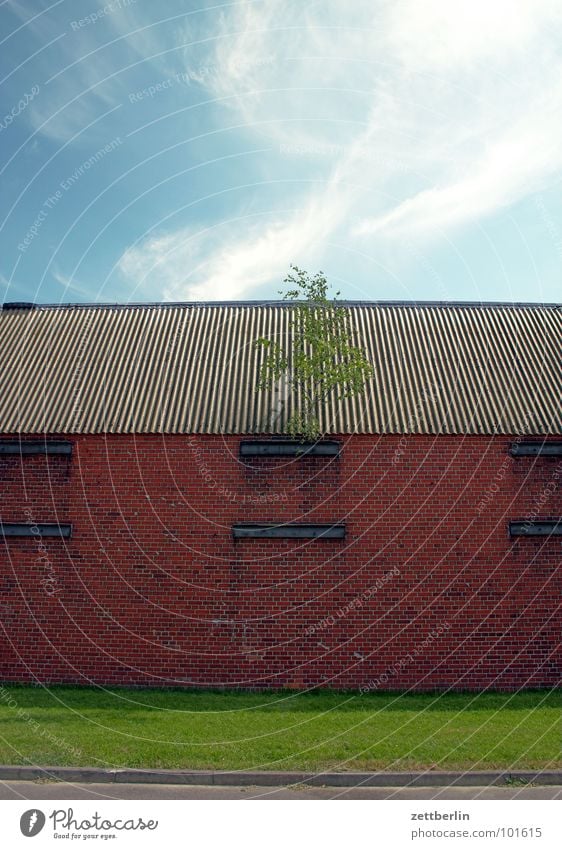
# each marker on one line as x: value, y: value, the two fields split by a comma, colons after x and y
x: 32, y: 822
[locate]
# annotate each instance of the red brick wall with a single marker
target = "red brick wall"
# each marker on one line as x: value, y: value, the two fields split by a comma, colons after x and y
x: 427, y: 590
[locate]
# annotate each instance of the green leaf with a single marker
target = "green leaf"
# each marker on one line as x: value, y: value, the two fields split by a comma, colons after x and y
x: 322, y: 358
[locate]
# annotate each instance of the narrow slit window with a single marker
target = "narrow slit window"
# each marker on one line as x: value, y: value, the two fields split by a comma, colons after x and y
x: 289, y: 448
x: 536, y: 449
x: 14, y: 446
x: 291, y: 530
x: 536, y: 528
x: 39, y: 529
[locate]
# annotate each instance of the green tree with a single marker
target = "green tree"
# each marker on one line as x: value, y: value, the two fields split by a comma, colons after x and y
x: 321, y: 359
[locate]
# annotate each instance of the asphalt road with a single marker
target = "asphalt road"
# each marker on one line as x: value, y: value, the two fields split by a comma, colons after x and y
x: 59, y: 790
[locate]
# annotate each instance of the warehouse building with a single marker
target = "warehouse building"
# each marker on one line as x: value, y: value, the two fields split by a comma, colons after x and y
x: 159, y: 527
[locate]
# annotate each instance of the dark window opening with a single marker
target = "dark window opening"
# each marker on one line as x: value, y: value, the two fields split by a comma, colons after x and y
x: 536, y: 449
x: 14, y: 446
x: 39, y: 529
x: 288, y: 448
x: 536, y: 528
x: 291, y: 530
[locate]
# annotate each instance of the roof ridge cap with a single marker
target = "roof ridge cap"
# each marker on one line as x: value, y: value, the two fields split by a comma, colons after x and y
x: 25, y: 306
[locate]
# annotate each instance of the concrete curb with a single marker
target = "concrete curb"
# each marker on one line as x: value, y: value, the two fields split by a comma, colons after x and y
x: 80, y: 775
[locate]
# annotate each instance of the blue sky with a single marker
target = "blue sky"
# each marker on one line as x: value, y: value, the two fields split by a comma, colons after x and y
x: 192, y: 151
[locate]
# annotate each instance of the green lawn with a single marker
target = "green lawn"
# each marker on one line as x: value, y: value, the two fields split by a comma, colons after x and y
x: 283, y: 730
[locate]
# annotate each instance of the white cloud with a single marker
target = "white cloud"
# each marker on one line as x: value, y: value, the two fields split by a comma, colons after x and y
x: 440, y: 113
x: 517, y: 163
x: 228, y: 262
x: 447, y: 35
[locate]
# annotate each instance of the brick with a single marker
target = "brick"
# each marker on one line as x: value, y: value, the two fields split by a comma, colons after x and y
x: 427, y: 591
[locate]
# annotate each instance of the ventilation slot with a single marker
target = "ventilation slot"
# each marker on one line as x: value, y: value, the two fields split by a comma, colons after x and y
x: 538, y: 528
x: 17, y: 447
x: 536, y: 449
x: 288, y: 531
x: 13, y: 529
x: 288, y: 448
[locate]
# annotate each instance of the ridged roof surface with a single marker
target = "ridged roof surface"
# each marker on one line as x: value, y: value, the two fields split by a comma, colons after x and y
x: 191, y: 368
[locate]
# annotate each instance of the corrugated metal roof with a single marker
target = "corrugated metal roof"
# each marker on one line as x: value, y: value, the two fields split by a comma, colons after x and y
x: 192, y: 368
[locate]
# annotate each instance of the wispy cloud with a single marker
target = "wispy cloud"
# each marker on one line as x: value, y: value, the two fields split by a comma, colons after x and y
x: 439, y: 114
x: 512, y: 165
x: 72, y: 287
x: 229, y: 261
x: 10, y: 289
x: 434, y: 111
x: 83, y: 71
